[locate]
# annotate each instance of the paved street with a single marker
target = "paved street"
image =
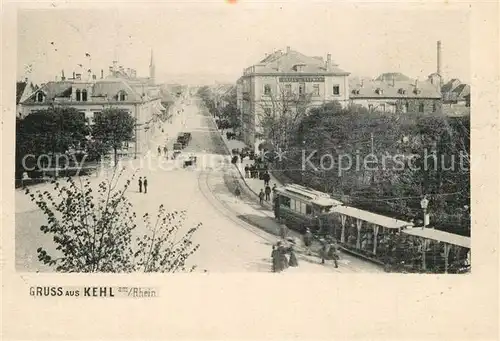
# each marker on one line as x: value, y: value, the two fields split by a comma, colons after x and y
x: 228, y: 243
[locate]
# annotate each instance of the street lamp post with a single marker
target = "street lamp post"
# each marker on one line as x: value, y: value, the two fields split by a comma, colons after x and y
x: 423, y: 204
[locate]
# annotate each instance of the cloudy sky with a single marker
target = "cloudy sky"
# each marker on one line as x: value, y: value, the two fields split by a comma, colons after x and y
x: 214, y: 42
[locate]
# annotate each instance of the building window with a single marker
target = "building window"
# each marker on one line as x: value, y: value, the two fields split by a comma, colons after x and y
x: 421, y: 107
x: 267, y: 89
x: 288, y: 89
x: 315, y: 90
x: 336, y: 90
x: 309, y: 210
x: 406, y: 107
x: 97, y: 115
x: 84, y: 95
x: 40, y: 97
x: 302, y: 88
x: 81, y: 115
x: 370, y: 107
x: 122, y: 96
x: 78, y: 95
x: 434, y: 107
x: 382, y: 107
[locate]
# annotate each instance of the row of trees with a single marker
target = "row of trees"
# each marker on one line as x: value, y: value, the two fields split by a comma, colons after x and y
x: 421, y: 154
x: 60, y: 130
x: 224, y: 106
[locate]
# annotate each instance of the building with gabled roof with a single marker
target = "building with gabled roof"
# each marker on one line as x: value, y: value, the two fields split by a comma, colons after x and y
x: 287, y: 79
x: 389, y: 95
x: 23, y: 90
x: 140, y: 98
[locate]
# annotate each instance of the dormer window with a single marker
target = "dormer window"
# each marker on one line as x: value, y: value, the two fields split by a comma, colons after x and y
x: 39, y: 97
x: 122, y: 96
x: 417, y: 91
x: 379, y: 91
x: 355, y: 91
x: 84, y: 95
x: 401, y: 91
x: 78, y: 95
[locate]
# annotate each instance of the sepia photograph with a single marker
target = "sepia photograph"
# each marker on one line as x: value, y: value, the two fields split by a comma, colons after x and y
x: 144, y: 143
x: 249, y: 170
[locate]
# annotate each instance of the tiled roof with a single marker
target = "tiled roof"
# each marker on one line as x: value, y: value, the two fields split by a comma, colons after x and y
x: 462, y: 90
x: 399, y: 90
x: 450, y: 85
x: 108, y: 87
x: 52, y: 90
x: 281, y: 62
x: 20, y: 86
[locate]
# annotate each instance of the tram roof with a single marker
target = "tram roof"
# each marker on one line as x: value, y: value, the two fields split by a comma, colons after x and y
x: 441, y: 236
x: 370, y: 217
x: 316, y: 197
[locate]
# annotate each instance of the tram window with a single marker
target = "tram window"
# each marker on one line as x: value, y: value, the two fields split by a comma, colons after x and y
x: 285, y: 202
x: 309, y: 209
x: 292, y: 204
x: 303, y: 207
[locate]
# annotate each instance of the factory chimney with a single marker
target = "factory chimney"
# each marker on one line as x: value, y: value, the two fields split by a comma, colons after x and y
x: 439, y: 58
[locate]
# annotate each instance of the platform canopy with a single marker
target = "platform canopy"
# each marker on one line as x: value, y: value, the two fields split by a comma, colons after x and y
x: 441, y: 236
x: 372, y: 218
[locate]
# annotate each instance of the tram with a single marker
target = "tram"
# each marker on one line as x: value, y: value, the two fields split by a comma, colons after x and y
x: 397, y: 245
x: 302, y: 207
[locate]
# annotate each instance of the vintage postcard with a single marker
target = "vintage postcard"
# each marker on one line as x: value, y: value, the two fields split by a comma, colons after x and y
x: 230, y: 163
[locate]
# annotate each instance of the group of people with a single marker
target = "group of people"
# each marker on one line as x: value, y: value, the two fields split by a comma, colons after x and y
x: 265, y: 194
x: 257, y: 171
x: 165, y: 151
x: 279, y: 257
x: 143, y: 183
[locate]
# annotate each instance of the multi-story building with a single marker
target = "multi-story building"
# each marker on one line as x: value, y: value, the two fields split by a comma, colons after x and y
x: 283, y: 82
x: 120, y: 89
x: 396, y: 93
x: 23, y: 90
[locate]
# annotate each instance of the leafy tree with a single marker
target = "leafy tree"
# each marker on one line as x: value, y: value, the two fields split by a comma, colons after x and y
x: 49, y: 132
x: 95, y: 233
x: 280, y: 116
x: 113, y: 127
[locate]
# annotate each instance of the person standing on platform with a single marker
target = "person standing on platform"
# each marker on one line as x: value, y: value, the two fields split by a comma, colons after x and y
x: 274, y: 191
x: 308, y: 237
x: 145, y: 185
x: 140, y: 185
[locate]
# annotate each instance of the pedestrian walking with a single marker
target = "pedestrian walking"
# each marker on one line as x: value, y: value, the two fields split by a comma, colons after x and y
x: 283, y: 261
x: 323, y: 251
x: 140, y: 185
x: 283, y: 231
x: 247, y: 171
x: 333, y: 253
x: 266, y: 178
x: 237, y: 193
x: 293, y: 262
x: 275, y: 259
x: 165, y: 151
x: 261, y: 196
x: 268, y: 193
x: 145, y: 185
x: 308, y: 240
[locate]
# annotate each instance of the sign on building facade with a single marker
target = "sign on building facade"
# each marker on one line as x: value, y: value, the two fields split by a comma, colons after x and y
x: 317, y: 79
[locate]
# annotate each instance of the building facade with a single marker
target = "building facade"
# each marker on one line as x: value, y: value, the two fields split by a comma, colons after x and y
x: 120, y: 89
x: 397, y: 95
x: 284, y: 81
